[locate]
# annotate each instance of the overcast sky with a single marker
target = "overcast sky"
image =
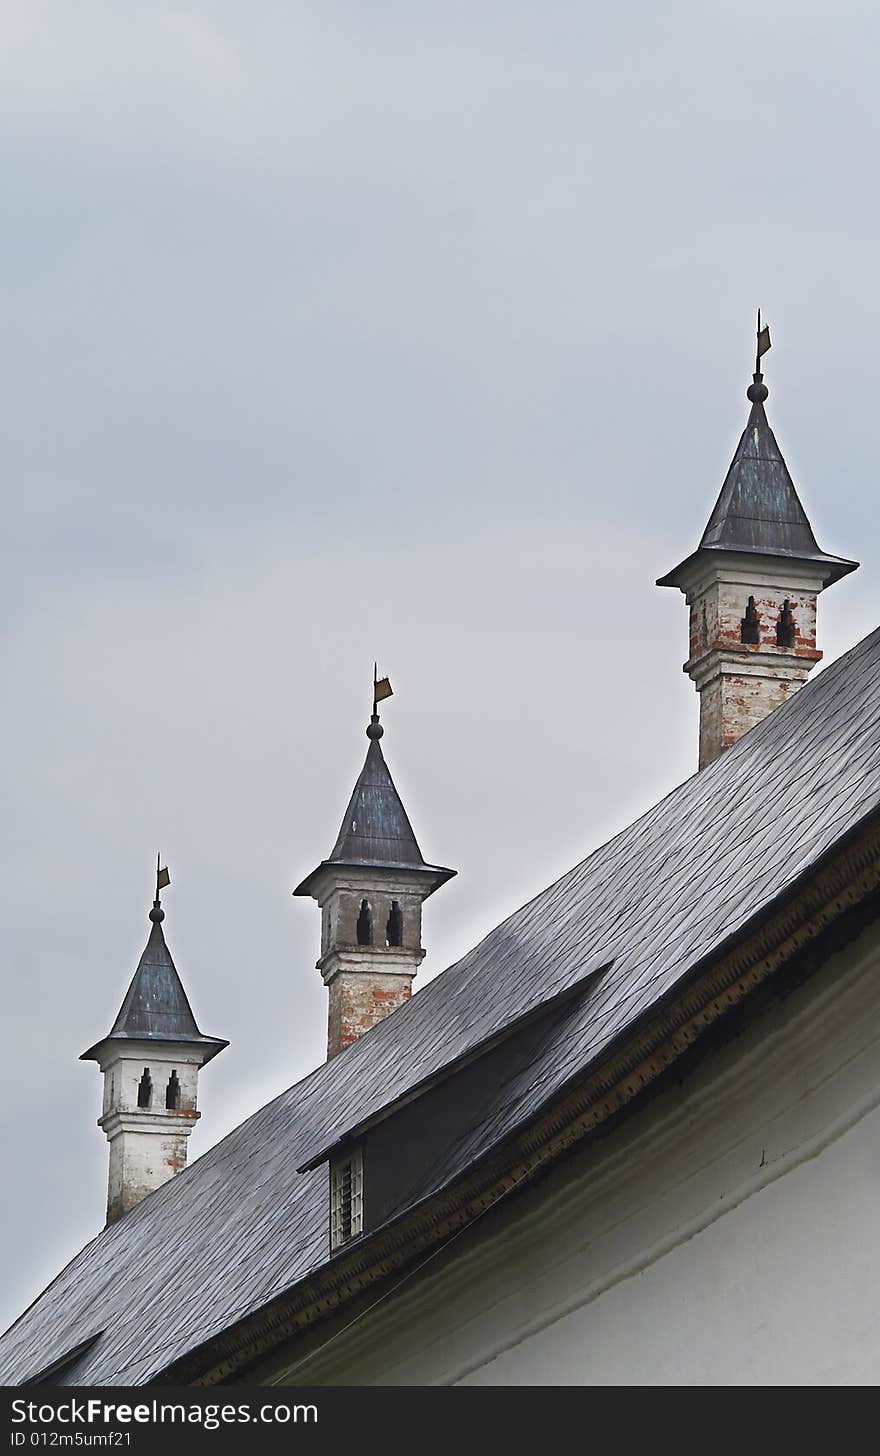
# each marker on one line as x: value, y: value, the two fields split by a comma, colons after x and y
x: 408, y: 330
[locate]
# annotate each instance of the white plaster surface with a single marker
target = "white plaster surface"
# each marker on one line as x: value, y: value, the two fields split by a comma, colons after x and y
x: 727, y: 1234
x: 148, y: 1145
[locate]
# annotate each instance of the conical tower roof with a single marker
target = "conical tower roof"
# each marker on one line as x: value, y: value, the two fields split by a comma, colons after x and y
x: 155, y: 1007
x: 758, y: 508
x: 758, y: 511
x: 375, y: 831
x: 155, y: 1003
x: 375, y: 828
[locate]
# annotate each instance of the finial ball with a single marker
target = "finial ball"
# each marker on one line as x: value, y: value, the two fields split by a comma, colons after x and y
x: 757, y: 392
x: 374, y: 727
x: 157, y: 914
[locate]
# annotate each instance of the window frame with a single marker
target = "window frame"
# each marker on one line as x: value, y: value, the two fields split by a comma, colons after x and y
x: 346, y: 1199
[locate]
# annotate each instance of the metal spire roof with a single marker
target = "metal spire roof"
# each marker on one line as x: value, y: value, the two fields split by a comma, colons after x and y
x: 758, y: 510
x: 155, y: 1007
x: 375, y: 830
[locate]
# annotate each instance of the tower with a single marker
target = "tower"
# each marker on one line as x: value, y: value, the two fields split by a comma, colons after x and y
x: 151, y: 1060
x: 751, y: 586
x: 371, y: 892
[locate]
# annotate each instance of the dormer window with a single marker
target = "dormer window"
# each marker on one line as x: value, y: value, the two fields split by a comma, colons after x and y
x: 346, y: 1199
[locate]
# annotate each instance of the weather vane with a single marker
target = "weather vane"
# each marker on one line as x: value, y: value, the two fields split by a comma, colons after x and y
x: 763, y: 343
x: 163, y: 878
x: 381, y: 688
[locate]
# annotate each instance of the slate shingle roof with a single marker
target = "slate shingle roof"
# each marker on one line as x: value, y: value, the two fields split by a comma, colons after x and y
x: 241, y: 1225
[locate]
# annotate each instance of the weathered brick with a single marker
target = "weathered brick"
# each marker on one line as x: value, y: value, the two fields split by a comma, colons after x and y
x: 741, y: 682
x: 358, y: 999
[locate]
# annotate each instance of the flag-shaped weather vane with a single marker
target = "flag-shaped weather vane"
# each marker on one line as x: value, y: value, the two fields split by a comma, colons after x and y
x: 763, y: 342
x: 381, y: 689
x: 757, y: 391
x: 163, y: 879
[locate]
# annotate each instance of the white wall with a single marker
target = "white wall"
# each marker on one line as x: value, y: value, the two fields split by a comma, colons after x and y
x: 728, y: 1234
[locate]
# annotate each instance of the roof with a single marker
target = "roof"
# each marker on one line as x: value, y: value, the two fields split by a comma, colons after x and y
x: 758, y: 510
x: 241, y: 1225
x: 539, y: 1010
x: 375, y: 830
x: 155, y: 1007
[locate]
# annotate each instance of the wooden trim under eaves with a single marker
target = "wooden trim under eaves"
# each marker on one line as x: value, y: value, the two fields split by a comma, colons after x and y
x: 846, y: 879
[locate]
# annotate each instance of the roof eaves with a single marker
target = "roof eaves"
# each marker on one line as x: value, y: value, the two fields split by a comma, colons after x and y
x: 834, y: 567
x: 437, y: 873
x: 213, y: 1044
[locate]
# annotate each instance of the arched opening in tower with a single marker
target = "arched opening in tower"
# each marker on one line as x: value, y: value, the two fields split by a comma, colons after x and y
x: 749, y: 631
x: 785, y: 627
x: 394, y: 928
x: 365, y: 924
